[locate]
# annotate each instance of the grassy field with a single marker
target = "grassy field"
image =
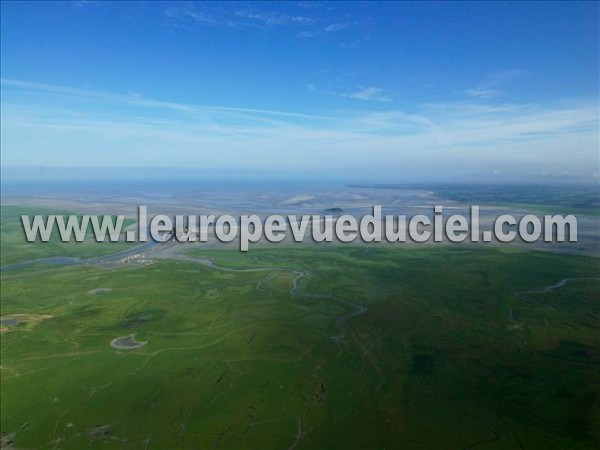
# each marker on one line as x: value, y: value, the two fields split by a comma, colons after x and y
x: 14, y: 248
x: 445, y: 356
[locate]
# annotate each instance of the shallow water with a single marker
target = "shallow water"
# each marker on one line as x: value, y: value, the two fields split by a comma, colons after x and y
x: 99, y: 291
x: 11, y: 321
x: 126, y: 342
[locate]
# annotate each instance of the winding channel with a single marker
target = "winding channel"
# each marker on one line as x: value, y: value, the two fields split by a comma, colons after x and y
x: 339, y: 320
x: 520, y: 295
x: 153, y: 249
x: 169, y: 251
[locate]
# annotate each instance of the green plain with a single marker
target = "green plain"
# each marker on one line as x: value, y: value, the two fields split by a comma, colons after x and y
x: 446, y: 356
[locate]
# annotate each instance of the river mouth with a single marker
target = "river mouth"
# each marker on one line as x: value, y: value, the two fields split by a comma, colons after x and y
x: 126, y: 342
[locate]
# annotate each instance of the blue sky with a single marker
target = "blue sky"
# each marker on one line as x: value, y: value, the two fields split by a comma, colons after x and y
x: 414, y: 91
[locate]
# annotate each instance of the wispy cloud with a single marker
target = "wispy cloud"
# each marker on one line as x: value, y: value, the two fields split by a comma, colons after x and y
x: 371, y: 94
x: 482, y: 92
x: 209, y: 13
x: 132, y: 98
x: 305, y: 23
x: 328, y: 29
x: 353, y: 44
x: 193, y: 14
x: 339, y: 26
x: 489, y: 87
x: 80, y: 3
x: 274, y: 19
x: 309, y: 34
x: 54, y: 126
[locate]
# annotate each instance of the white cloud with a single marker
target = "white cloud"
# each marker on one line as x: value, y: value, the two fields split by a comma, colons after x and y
x: 339, y: 26
x: 482, y: 93
x: 258, y: 16
x: 192, y: 14
x: 80, y: 3
x: 57, y: 126
x: 372, y: 94
x: 309, y: 34
x: 272, y: 18
x: 488, y: 87
x: 331, y: 28
x: 211, y: 14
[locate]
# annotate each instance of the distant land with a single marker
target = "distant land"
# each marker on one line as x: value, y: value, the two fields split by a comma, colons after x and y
x: 584, y: 199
